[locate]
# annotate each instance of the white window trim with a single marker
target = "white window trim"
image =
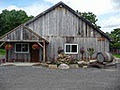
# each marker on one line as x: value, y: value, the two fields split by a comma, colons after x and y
x: 70, y: 49
x: 21, y: 51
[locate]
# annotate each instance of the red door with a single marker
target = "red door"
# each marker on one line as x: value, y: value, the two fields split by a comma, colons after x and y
x: 34, y: 55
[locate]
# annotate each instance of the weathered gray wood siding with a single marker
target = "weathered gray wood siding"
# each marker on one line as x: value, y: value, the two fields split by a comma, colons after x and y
x: 17, y: 56
x: 60, y: 23
x: 20, y: 34
x: 26, y: 57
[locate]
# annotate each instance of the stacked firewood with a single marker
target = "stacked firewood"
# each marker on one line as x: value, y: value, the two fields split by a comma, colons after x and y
x: 62, y: 58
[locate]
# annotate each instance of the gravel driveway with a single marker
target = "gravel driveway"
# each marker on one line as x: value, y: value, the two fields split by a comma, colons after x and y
x: 41, y: 78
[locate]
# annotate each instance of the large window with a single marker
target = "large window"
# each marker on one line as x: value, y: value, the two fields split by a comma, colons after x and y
x: 71, y: 49
x: 21, y: 48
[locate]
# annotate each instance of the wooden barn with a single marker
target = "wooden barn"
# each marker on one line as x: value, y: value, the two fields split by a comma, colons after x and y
x: 58, y: 27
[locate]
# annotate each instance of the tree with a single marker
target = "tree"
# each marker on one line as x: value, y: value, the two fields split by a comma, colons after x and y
x: 115, y: 36
x: 11, y: 19
x: 90, y: 17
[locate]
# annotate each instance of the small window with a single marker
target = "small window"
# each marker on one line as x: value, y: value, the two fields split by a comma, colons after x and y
x: 21, y: 48
x: 67, y: 48
x: 71, y: 48
x: 25, y: 47
x: 18, y: 47
x: 74, y: 48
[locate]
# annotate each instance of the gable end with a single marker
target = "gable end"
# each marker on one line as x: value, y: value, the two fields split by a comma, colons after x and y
x: 61, y: 4
x: 21, y: 33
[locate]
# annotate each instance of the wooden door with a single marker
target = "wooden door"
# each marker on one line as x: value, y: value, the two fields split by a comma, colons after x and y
x: 34, y: 55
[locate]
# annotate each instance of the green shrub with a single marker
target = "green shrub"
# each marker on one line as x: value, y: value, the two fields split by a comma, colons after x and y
x: 2, y: 51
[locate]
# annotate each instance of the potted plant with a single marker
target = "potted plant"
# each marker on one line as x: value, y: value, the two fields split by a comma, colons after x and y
x: 35, y: 46
x: 8, y: 46
x: 60, y: 50
x: 82, y: 51
x: 91, y: 52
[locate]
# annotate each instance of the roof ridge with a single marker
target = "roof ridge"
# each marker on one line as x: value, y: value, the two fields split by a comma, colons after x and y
x: 44, y: 12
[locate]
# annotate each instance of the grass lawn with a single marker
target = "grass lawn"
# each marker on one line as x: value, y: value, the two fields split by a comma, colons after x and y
x: 117, y: 55
x: 2, y: 51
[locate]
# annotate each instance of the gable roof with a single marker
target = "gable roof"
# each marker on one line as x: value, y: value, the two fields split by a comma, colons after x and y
x: 21, y: 33
x: 71, y: 10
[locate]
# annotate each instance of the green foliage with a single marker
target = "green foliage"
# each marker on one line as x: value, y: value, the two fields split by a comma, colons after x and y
x: 2, y: 51
x: 91, y: 51
x: 117, y: 55
x: 90, y: 17
x: 115, y: 36
x: 11, y: 19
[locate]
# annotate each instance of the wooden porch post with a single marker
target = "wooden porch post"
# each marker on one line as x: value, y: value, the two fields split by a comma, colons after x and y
x: 44, y: 54
x: 6, y: 57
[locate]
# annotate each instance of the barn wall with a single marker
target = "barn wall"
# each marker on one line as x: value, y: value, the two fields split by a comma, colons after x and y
x: 60, y: 23
x: 17, y: 56
x: 22, y: 56
x: 56, y: 42
x: 20, y: 33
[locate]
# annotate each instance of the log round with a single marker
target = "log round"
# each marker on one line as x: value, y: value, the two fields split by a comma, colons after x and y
x: 104, y: 57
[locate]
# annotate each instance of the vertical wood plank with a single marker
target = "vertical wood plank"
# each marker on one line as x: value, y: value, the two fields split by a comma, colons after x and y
x: 44, y: 53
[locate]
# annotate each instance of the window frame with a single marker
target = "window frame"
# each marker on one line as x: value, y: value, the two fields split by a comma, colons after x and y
x: 21, y: 48
x: 70, y: 48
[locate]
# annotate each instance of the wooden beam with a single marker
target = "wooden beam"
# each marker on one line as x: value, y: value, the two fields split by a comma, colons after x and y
x: 2, y: 44
x: 44, y: 54
x: 35, y: 34
x: 20, y: 41
x: 40, y: 44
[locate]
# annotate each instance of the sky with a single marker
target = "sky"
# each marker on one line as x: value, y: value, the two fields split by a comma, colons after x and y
x: 107, y: 11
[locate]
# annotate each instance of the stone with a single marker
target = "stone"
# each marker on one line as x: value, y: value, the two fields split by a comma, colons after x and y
x: 80, y: 62
x: 74, y: 66
x: 86, y: 63
x: 116, y: 60
x: 51, y: 66
x: 44, y: 64
x: 85, y: 67
x: 91, y: 61
x: 63, y: 66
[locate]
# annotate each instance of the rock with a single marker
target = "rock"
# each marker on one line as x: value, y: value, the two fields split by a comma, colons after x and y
x: 51, y: 66
x: 86, y: 63
x: 80, y: 62
x: 91, y: 61
x: 85, y: 66
x: 44, y: 64
x: 116, y: 60
x: 74, y: 66
x: 63, y: 66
